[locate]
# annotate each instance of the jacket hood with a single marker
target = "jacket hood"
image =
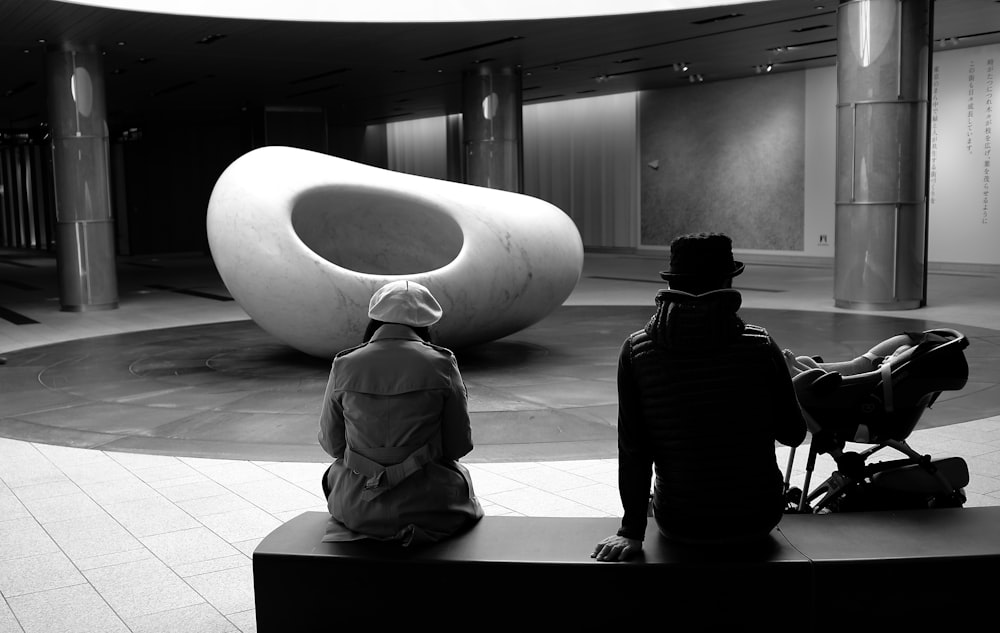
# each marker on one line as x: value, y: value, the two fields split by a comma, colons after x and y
x: 686, y: 321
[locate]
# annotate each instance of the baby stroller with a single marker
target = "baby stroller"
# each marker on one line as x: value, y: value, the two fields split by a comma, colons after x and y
x: 878, y: 399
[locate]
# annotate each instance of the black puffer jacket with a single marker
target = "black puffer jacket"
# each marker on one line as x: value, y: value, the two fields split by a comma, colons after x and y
x: 704, y: 397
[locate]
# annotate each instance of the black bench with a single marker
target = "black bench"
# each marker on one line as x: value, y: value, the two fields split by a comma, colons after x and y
x: 817, y: 573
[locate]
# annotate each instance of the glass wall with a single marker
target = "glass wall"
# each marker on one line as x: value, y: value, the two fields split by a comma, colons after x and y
x: 27, y: 212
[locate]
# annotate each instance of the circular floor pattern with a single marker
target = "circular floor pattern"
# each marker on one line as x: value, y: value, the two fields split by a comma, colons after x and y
x: 230, y: 390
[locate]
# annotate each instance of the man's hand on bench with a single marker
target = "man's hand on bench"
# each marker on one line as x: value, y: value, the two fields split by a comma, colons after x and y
x: 615, y: 548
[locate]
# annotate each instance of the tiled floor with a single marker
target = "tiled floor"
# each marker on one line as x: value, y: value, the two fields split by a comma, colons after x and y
x: 96, y: 541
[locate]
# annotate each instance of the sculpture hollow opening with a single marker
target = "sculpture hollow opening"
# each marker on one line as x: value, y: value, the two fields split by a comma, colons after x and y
x: 375, y: 231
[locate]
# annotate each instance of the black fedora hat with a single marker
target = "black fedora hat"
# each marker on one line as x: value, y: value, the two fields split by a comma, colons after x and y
x: 707, y: 255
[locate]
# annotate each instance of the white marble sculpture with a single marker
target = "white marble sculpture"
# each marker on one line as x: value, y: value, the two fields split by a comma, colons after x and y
x: 303, y: 239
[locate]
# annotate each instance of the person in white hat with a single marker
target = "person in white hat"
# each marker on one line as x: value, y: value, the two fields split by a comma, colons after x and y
x: 395, y: 419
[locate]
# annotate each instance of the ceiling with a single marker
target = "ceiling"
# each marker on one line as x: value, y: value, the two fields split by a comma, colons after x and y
x: 167, y: 66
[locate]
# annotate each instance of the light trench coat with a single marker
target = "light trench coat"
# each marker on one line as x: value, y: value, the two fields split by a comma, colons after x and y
x: 395, y: 419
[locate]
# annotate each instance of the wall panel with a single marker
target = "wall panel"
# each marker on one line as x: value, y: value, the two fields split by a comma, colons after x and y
x: 726, y: 156
x: 581, y: 155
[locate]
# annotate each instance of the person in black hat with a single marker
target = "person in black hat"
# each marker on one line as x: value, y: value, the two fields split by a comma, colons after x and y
x: 702, y: 398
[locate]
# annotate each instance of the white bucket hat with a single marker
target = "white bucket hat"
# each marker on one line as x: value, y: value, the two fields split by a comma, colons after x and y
x: 405, y: 302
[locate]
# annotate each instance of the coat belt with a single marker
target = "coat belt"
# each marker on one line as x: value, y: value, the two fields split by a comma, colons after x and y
x: 383, y: 478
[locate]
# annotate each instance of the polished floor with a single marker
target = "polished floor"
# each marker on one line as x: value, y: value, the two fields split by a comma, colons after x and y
x: 145, y: 451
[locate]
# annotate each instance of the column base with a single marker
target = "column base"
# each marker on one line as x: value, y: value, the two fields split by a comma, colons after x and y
x: 864, y: 305
x: 90, y: 308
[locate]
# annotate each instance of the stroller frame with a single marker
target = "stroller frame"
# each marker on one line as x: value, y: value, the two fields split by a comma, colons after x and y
x: 915, y: 480
x: 928, y: 482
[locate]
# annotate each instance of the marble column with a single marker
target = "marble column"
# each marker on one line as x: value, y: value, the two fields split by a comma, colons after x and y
x: 85, y: 242
x: 883, y: 53
x: 491, y: 127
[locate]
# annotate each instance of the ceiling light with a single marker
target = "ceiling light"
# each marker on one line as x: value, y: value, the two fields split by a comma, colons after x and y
x: 718, y: 18
x: 209, y: 39
x: 473, y: 47
x: 811, y: 28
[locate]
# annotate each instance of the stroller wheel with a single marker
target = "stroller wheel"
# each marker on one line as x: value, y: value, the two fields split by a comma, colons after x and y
x: 792, y: 498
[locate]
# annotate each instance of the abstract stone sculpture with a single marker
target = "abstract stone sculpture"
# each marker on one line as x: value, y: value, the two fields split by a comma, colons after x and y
x: 303, y: 239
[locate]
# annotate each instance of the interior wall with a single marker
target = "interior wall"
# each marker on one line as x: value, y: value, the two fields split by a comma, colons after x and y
x: 27, y: 205
x: 168, y: 179
x: 375, y: 146
x: 304, y: 128
x: 726, y: 156
x: 582, y: 156
x: 964, y: 194
x: 418, y: 147
x: 579, y: 155
x: 820, y: 210
x: 752, y: 157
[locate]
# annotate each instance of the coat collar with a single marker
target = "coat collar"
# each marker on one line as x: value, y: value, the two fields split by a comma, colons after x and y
x: 704, y: 321
x: 395, y: 331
